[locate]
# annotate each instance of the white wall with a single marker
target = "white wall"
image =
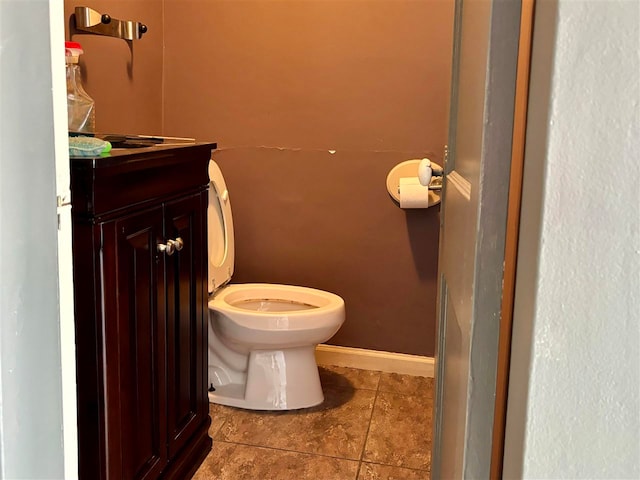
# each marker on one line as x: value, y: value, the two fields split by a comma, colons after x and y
x: 31, y: 437
x: 574, y: 397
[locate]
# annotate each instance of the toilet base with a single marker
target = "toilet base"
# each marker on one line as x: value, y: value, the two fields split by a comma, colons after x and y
x: 285, y: 379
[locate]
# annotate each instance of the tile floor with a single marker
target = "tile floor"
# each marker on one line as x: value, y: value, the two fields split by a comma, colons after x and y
x: 371, y: 426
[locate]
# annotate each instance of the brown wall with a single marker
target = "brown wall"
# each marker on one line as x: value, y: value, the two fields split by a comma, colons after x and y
x: 278, y: 84
x: 311, y: 218
x: 124, y: 78
x: 365, y: 75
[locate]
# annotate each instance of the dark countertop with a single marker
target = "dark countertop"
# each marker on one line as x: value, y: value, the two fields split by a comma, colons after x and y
x: 122, y: 156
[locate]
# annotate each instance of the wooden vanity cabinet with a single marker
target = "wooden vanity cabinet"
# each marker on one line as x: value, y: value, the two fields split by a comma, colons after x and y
x: 140, y: 260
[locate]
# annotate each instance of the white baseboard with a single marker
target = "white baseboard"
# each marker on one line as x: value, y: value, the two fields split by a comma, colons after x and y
x: 374, y: 360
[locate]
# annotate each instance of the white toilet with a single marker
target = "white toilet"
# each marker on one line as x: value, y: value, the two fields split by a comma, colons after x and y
x: 262, y: 337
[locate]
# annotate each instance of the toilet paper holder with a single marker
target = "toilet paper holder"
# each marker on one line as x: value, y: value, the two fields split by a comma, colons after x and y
x: 426, y: 171
x: 410, y: 168
x: 435, y: 186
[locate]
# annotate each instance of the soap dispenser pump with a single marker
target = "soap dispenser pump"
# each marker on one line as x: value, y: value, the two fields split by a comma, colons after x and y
x: 80, y: 106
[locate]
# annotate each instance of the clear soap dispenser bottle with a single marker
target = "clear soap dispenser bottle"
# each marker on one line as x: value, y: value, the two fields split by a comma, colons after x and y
x: 81, y: 109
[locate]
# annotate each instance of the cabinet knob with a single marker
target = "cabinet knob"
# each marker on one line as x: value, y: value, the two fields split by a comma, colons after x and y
x: 167, y: 248
x: 178, y: 243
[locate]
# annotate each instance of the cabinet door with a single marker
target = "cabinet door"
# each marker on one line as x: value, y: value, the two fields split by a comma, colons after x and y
x: 187, y: 406
x: 134, y: 346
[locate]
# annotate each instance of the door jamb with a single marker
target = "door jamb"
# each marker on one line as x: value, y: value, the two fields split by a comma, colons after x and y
x: 511, y: 240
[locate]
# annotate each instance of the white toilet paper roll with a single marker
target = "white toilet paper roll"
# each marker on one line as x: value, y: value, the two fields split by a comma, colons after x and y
x: 412, y: 194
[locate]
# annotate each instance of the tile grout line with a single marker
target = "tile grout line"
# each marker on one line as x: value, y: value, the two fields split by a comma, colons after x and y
x: 366, y: 436
x: 218, y: 430
x: 382, y: 464
x: 280, y: 449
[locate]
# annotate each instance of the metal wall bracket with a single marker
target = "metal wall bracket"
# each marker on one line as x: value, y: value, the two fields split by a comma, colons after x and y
x: 87, y: 20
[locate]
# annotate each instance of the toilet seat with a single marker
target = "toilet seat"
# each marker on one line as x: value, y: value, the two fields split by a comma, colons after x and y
x: 323, y: 305
x: 219, y: 231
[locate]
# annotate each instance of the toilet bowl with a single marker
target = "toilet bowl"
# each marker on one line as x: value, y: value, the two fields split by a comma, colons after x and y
x: 262, y: 337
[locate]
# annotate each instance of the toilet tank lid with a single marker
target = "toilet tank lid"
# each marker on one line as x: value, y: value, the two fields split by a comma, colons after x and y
x: 219, y: 231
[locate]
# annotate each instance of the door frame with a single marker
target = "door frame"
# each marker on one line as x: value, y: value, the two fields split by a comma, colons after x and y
x: 65, y: 255
x: 512, y: 234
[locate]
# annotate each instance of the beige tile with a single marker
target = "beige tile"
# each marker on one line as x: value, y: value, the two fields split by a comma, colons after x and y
x: 219, y: 415
x: 229, y: 461
x: 372, y: 471
x: 406, y: 384
x: 336, y: 428
x: 346, y: 377
x: 400, y: 431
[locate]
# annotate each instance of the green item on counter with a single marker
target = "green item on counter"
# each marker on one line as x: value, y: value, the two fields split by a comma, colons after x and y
x: 88, y: 147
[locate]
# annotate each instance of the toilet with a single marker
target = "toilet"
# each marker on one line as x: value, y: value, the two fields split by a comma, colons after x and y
x: 262, y: 337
